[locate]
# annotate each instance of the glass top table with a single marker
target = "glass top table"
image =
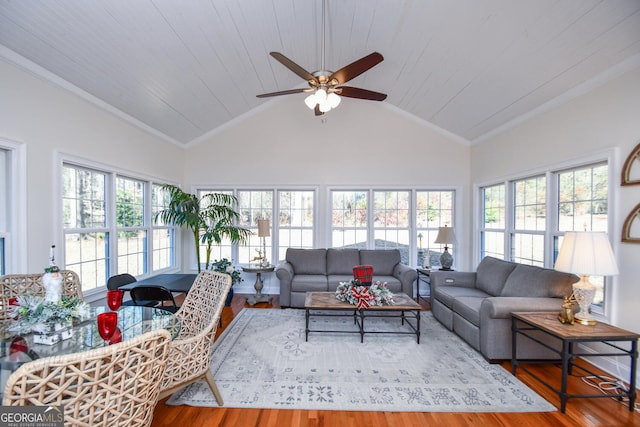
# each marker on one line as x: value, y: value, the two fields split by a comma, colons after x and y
x: 132, y: 322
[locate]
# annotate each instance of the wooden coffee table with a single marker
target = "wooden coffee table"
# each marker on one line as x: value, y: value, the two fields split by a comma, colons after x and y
x: 325, y: 304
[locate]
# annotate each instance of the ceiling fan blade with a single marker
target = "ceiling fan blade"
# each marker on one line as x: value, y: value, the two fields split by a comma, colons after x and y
x: 293, y: 66
x: 283, y: 92
x: 317, y: 110
x: 354, y: 92
x: 356, y: 68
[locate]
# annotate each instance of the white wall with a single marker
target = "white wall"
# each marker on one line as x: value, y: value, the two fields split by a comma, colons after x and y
x: 362, y: 144
x: 49, y: 120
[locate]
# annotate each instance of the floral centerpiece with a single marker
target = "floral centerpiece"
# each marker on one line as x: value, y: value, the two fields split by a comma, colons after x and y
x: 34, y: 313
x: 225, y: 266
x: 361, y: 296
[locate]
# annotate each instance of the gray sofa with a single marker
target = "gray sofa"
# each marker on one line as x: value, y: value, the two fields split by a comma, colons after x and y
x: 478, y: 305
x: 318, y: 270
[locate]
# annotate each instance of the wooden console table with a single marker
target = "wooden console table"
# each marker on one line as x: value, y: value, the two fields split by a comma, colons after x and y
x: 529, y: 323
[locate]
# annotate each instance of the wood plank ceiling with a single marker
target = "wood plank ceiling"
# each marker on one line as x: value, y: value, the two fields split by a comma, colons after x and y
x: 185, y: 68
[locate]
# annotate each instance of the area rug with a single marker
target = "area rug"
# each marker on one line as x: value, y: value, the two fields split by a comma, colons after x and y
x: 262, y: 361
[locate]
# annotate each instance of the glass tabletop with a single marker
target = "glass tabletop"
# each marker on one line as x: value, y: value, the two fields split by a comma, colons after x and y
x: 132, y: 322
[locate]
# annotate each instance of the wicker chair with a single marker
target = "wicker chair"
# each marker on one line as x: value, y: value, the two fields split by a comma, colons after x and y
x: 190, y: 353
x: 15, y: 285
x: 112, y: 386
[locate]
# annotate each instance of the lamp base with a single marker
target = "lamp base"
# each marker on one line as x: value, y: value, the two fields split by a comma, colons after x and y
x: 584, y: 291
x: 585, y: 321
x: 446, y: 260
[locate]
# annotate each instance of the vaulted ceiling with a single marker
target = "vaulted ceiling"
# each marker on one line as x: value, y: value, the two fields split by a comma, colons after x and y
x: 185, y: 68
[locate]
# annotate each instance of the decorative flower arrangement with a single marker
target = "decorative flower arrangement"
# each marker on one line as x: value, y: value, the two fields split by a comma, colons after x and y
x: 34, y: 314
x: 225, y: 266
x: 364, y: 296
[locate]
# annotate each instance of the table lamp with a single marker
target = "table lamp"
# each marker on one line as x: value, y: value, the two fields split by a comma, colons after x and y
x: 586, y: 253
x: 263, y: 231
x: 445, y: 236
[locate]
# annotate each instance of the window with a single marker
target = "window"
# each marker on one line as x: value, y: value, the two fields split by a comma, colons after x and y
x: 492, y: 229
x: 252, y: 206
x: 295, y: 225
x: 536, y: 220
x: 132, y: 235
x: 349, y: 212
x: 107, y: 219
x: 583, y: 197
x: 163, y: 235
x: 4, y: 210
x: 390, y: 222
x: 295, y: 220
x: 434, y: 209
x: 530, y: 213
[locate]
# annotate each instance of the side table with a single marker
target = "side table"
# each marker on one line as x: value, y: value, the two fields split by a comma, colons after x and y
x: 424, y: 274
x: 258, y: 270
x: 528, y: 324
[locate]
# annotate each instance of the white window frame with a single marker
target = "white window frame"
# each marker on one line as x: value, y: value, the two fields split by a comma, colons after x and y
x: 112, y: 172
x: 14, y: 230
x: 272, y: 242
x: 459, y: 259
x: 609, y: 157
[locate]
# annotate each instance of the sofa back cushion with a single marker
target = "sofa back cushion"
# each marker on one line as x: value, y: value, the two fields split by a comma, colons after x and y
x: 307, y: 261
x: 342, y: 260
x: 530, y: 281
x: 492, y: 274
x: 383, y: 261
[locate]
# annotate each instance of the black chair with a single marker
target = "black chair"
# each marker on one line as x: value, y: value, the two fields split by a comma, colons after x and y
x: 118, y: 280
x: 157, y: 294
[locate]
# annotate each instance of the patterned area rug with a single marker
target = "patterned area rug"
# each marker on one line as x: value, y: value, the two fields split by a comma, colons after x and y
x: 262, y: 361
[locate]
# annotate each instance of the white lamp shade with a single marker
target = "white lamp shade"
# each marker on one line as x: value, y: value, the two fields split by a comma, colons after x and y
x: 445, y: 236
x: 586, y: 253
x: 263, y: 228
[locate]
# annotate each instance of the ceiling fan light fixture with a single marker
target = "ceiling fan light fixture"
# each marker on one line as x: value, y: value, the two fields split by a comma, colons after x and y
x: 321, y: 96
x: 325, y: 107
x: 311, y: 101
x: 333, y: 99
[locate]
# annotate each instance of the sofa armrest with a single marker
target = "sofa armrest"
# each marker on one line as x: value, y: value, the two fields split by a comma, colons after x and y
x: 284, y: 272
x: 407, y: 275
x: 502, y: 307
x: 465, y: 279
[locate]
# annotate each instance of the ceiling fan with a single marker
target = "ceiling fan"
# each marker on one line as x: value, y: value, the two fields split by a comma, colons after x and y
x: 325, y: 86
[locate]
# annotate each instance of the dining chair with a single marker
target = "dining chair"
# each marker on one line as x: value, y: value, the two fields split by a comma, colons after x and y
x: 159, y: 295
x: 190, y: 352
x: 112, y: 386
x: 114, y: 283
x: 15, y: 285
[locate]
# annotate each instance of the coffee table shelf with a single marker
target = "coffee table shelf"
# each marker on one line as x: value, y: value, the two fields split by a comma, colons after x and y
x: 325, y: 304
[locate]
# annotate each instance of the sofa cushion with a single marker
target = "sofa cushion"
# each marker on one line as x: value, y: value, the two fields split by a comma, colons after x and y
x: 468, y: 308
x: 342, y: 260
x: 383, y: 261
x: 394, y: 285
x: 448, y: 294
x: 308, y: 261
x: 531, y: 281
x: 309, y: 283
x: 492, y: 274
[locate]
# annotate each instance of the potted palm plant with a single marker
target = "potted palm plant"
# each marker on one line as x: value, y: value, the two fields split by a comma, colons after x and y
x: 210, y: 219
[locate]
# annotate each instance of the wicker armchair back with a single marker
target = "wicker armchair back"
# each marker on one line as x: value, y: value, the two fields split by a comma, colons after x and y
x: 190, y: 353
x: 111, y: 386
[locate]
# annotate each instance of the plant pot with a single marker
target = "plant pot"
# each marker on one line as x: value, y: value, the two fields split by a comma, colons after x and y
x: 227, y: 302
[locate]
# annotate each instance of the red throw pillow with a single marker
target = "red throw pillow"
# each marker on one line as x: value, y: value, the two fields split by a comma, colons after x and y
x: 363, y: 273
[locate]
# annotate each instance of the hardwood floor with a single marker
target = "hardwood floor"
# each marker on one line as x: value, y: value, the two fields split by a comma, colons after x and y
x: 580, y: 412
